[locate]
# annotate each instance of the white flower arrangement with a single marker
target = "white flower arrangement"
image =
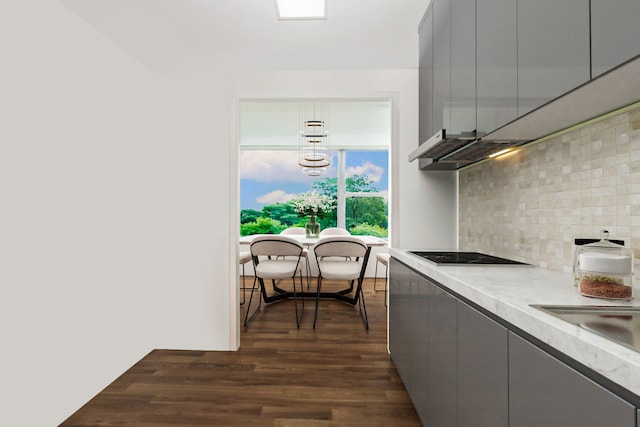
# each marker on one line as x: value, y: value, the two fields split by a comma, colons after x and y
x: 313, y: 203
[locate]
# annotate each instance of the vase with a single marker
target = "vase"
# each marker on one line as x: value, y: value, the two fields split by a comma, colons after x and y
x: 312, y: 228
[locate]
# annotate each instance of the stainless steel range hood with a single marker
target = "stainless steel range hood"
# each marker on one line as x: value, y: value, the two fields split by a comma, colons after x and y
x: 450, y: 152
x: 607, y: 93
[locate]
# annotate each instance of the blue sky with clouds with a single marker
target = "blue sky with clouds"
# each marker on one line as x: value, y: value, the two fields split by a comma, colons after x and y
x: 268, y: 177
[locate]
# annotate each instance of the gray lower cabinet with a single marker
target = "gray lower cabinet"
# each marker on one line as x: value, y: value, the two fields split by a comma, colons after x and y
x: 400, y: 319
x: 441, y: 357
x: 420, y: 346
x: 614, y: 33
x: 553, y: 50
x: 545, y: 392
x: 483, y: 383
x: 462, y: 368
x: 451, y: 358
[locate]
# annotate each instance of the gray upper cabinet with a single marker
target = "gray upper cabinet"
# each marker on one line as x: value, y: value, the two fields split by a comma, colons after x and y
x: 614, y: 33
x: 463, y: 66
x: 497, y: 64
x: 545, y: 392
x: 441, y: 64
x: 553, y: 50
x: 425, y: 75
x: 483, y: 383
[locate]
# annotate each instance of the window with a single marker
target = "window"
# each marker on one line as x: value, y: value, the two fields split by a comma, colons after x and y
x: 357, y: 181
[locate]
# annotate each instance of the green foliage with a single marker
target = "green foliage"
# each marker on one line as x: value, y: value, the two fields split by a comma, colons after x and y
x: 365, y: 229
x: 248, y: 215
x: 370, y: 210
x: 327, y: 186
x: 283, y: 212
x: 360, y: 184
x: 354, y: 184
x: 262, y: 226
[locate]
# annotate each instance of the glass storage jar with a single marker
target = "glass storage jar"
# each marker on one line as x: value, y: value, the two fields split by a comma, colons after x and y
x: 605, y: 270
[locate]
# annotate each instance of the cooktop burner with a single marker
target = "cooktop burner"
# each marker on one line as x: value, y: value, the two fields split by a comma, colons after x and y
x: 464, y: 258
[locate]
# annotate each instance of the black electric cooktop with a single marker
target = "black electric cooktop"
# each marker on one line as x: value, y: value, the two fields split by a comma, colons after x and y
x: 464, y: 258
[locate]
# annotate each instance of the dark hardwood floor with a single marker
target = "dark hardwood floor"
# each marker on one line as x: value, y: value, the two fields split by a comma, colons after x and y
x: 336, y: 375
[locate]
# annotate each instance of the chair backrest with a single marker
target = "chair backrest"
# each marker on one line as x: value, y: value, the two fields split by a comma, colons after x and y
x: 335, y: 231
x: 294, y: 231
x: 340, y: 246
x: 276, y: 245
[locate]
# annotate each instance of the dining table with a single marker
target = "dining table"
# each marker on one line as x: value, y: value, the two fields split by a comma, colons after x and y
x: 310, y: 241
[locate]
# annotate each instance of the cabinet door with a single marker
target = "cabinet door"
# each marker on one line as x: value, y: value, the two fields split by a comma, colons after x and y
x: 483, y: 383
x: 463, y: 66
x: 399, y: 319
x: 545, y: 392
x: 614, y: 33
x: 553, y: 50
x: 442, y: 358
x: 422, y: 291
x: 425, y: 76
x: 497, y: 64
x: 441, y: 64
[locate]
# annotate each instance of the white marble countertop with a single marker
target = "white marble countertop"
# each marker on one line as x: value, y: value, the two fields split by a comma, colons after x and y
x: 508, y: 293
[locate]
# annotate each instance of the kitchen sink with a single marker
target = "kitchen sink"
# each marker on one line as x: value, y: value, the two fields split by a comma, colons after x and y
x: 620, y: 324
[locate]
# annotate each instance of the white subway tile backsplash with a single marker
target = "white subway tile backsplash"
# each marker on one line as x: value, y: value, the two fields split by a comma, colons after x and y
x: 531, y: 204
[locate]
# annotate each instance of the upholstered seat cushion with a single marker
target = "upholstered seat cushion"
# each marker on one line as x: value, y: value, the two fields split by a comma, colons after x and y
x: 340, y: 269
x: 383, y: 258
x: 276, y: 269
x: 244, y: 257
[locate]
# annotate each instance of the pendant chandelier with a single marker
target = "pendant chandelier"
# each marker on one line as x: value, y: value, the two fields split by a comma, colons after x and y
x: 314, y: 138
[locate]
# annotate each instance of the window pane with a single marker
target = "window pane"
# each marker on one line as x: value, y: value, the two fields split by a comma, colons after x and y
x: 367, y: 216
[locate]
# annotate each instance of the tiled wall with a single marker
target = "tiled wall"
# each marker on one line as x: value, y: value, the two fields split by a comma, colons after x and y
x: 530, y: 205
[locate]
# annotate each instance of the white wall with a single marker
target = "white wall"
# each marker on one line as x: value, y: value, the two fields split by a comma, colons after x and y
x: 117, y: 204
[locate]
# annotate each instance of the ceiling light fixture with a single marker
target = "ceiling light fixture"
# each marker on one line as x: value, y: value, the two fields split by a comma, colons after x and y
x: 314, y: 138
x: 301, y: 9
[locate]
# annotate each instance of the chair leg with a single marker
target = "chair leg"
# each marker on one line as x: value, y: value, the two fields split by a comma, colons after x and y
x: 375, y: 278
x: 308, y: 273
x: 363, y: 310
x: 386, y: 283
x: 315, y: 315
x: 244, y: 288
x: 295, y: 299
x: 247, y: 319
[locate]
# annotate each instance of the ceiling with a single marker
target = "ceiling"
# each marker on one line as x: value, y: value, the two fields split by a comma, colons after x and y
x: 219, y: 35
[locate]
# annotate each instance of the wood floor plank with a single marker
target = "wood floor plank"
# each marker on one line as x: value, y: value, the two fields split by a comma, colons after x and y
x: 338, y: 374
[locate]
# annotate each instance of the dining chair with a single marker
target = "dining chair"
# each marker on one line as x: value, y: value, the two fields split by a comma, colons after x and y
x: 343, y: 258
x: 334, y: 231
x: 382, y: 258
x: 243, y: 258
x: 300, y: 231
x: 275, y: 258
